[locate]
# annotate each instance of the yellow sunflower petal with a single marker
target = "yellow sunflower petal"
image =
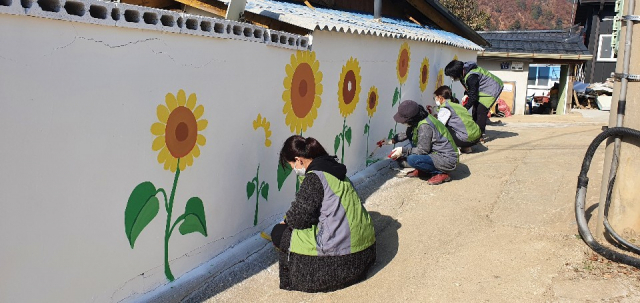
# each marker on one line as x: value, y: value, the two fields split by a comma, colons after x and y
x: 189, y: 159
x: 201, y: 140
x: 174, y: 165
x: 289, y: 70
x: 318, y: 90
x: 183, y: 164
x: 163, y: 113
x: 286, y: 96
x: 255, y: 125
x: 195, y: 151
x: 167, y: 164
x: 267, y: 142
x: 267, y: 133
x: 171, y: 101
x: 317, y: 101
x: 202, y: 124
x: 197, y: 113
x: 312, y: 56
x: 158, y: 143
x: 267, y: 125
x: 182, y: 98
x: 163, y: 155
x: 158, y: 129
x: 191, y: 102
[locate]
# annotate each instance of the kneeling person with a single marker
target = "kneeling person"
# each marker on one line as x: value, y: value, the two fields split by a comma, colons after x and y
x: 433, y: 152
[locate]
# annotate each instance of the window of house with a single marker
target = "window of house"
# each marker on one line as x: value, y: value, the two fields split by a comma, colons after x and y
x: 605, y: 51
x: 543, y: 75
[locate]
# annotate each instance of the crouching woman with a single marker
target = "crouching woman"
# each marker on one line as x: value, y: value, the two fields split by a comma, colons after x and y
x: 327, y: 241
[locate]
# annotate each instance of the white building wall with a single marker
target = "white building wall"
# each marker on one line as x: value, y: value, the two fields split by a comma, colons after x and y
x: 520, y: 77
x: 77, y: 104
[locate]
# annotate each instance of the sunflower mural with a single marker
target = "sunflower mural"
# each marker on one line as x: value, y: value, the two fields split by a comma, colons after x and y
x: 440, y: 78
x: 372, y: 105
x: 424, y: 74
x: 301, y: 96
x: 402, y: 71
x: 348, y: 97
x: 178, y: 137
x: 255, y: 186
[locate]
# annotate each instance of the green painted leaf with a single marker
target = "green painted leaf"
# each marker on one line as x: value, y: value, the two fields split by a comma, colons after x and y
x: 366, y: 129
x: 283, y: 173
x: 265, y: 192
x: 336, y: 144
x: 391, y: 134
x: 347, y: 136
x: 195, y: 220
x: 396, y: 97
x: 141, y: 208
x: 251, y: 187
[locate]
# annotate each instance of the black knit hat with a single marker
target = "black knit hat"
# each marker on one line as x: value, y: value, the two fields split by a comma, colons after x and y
x: 407, y: 110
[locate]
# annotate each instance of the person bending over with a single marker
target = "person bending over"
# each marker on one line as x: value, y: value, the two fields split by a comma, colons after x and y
x: 456, y: 118
x: 482, y: 88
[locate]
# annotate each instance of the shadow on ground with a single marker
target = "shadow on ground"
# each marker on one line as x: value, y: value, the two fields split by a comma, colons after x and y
x: 386, y: 239
x: 462, y: 171
x: 495, y: 134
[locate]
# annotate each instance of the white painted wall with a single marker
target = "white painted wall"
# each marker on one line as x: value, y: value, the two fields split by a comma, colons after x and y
x: 77, y: 102
x: 520, y: 77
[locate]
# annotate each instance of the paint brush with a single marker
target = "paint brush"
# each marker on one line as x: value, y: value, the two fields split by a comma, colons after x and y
x: 378, y: 145
x: 265, y: 236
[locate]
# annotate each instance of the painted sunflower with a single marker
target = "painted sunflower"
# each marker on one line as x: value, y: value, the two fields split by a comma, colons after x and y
x: 177, y: 132
x: 455, y: 57
x: 402, y: 69
x: 349, y: 87
x: 266, y: 125
x: 372, y: 101
x: 302, y: 90
x: 424, y: 74
x: 440, y: 79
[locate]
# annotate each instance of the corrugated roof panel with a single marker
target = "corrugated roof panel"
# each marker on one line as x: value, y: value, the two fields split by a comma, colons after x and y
x: 334, y: 20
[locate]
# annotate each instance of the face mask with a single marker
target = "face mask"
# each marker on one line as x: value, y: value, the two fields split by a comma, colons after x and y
x: 436, y: 101
x: 298, y: 171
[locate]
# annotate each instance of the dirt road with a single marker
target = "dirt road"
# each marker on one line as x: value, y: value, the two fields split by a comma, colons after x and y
x: 502, y: 231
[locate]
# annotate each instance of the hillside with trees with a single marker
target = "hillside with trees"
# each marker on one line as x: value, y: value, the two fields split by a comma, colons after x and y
x: 513, y: 14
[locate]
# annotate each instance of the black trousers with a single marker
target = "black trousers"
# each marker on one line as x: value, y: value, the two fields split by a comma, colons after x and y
x: 480, y: 115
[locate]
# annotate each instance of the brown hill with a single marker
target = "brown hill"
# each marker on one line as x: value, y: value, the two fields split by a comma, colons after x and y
x: 527, y: 14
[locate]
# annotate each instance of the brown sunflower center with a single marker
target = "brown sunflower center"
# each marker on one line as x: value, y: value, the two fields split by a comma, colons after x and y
x: 349, y: 87
x: 372, y: 100
x: 303, y: 90
x: 424, y: 73
x: 404, y: 63
x: 181, y: 132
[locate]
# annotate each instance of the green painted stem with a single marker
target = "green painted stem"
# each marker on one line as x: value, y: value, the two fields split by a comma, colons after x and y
x: 169, y: 229
x: 368, y: 133
x: 164, y: 193
x: 255, y: 217
x: 344, y: 126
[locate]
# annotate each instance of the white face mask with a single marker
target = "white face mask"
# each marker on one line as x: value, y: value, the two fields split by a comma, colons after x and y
x: 436, y: 101
x: 298, y: 171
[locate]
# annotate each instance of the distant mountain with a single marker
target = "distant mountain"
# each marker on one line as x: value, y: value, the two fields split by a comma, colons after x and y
x: 527, y: 14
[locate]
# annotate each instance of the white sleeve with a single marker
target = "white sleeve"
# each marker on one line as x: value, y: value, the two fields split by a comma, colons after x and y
x: 443, y: 115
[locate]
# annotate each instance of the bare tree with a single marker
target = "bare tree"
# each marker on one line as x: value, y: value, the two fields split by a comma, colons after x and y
x: 468, y: 12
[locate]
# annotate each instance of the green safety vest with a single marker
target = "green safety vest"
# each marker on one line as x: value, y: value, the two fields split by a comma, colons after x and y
x: 490, y: 86
x: 344, y: 226
x: 442, y: 141
x: 461, y: 122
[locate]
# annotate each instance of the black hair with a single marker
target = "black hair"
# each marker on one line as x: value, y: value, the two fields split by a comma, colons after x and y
x: 298, y: 146
x: 422, y: 114
x: 446, y: 93
x: 454, y: 69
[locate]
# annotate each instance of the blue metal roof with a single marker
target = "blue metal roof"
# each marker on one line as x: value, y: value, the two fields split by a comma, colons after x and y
x: 340, y: 21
